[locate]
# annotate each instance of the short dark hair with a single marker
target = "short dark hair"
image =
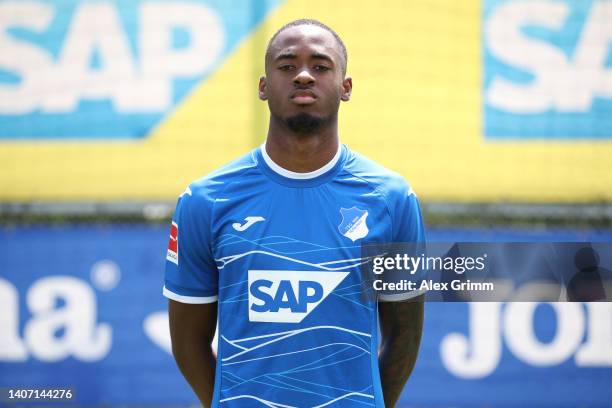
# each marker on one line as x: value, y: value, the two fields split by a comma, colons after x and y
x: 309, y: 21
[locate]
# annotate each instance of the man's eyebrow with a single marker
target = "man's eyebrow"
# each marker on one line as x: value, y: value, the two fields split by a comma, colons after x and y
x: 293, y: 55
x: 319, y: 55
x: 285, y: 55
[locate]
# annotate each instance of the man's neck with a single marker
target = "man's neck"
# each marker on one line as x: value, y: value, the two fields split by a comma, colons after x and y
x: 301, y: 153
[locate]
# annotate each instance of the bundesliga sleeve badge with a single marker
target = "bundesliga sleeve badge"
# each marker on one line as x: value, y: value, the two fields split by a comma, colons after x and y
x: 172, y: 254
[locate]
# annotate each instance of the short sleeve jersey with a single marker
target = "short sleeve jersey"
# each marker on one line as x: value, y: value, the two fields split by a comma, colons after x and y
x: 281, y: 252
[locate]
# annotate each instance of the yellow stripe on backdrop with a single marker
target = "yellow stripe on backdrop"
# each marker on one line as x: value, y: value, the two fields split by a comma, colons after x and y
x: 416, y: 108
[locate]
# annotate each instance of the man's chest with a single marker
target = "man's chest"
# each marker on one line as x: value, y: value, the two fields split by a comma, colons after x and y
x: 297, y: 224
x: 281, y: 256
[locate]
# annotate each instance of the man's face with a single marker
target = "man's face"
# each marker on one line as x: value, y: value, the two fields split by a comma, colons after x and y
x: 305, y: 79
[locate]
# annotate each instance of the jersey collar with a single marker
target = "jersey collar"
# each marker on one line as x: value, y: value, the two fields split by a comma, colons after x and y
x: 294, y: 179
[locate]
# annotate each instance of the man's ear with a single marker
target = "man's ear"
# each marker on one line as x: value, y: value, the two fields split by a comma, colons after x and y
x: 347, y: 88
x: 263, y: 88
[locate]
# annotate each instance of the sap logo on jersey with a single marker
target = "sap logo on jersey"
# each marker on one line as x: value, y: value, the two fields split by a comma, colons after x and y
x: 288, y: 296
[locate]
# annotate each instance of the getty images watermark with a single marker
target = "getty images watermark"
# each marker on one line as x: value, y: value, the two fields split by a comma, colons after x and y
x: 462, y: 271
x: 412, y: 264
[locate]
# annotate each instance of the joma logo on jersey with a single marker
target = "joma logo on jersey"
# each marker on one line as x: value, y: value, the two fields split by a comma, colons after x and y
x: 288, y: 296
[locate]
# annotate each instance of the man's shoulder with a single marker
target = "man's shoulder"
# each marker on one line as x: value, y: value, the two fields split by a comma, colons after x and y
x: 206, y: 188
x: 388, y: 182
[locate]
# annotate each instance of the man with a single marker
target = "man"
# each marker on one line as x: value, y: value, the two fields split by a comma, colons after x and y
x: 270, y: 244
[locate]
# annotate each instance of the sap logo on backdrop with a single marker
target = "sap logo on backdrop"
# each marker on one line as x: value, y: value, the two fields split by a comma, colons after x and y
x: 109, y: 69
x: 96, y: 35
x: 288, y: 296
x: 548, y: 68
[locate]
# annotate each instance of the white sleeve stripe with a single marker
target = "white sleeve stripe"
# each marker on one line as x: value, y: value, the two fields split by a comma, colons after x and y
x: 189, y: 299
x: 400, y: 296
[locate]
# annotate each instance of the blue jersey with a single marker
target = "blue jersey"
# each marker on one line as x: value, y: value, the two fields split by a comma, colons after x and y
x: 281, y: 253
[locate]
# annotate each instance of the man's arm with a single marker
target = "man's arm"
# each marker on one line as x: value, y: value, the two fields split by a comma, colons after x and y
x: 192, y: 328
x: 401, y: 326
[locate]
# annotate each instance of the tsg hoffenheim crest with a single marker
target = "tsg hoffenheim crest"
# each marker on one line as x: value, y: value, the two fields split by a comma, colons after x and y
x: 353, y: 225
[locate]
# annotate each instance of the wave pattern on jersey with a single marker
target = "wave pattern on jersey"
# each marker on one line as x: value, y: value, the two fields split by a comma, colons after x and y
x: 250, y: 368
x: 281, y: 247
x: 271, y: 246
x: 300, y: 366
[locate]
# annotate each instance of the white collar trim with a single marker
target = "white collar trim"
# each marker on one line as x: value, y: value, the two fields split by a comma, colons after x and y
x: 300, y: 176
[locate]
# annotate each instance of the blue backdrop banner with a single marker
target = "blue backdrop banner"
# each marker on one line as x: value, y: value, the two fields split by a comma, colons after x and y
x: 81, y: 308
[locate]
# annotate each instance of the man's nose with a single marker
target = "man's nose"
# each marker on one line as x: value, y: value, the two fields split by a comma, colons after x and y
x: 303, y: 77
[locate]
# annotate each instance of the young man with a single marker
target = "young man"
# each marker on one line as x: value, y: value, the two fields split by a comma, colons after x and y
x: 271, y: 245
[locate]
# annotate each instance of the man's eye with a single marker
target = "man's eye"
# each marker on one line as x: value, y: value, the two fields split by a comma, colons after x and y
x: 322, y: 68
x: 286, y: 67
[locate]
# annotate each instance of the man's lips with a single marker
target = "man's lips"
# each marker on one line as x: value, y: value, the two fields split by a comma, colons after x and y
x: 303, y: 97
